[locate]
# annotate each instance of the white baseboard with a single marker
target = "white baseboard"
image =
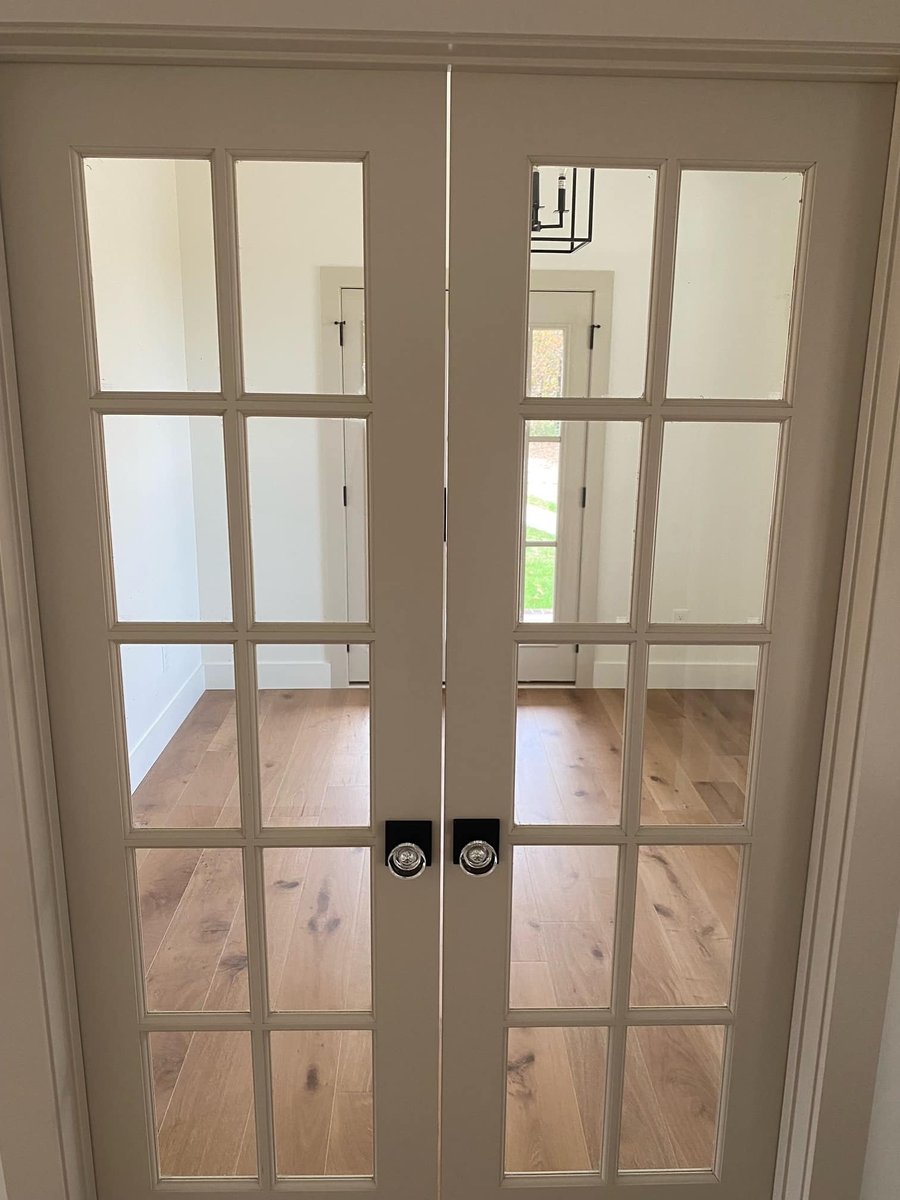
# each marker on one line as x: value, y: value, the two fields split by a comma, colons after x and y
x: 701, y: 675
x: 152, y: 743
x: 276, y: 675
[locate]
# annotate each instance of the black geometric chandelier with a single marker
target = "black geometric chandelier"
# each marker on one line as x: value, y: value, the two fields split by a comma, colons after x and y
x: 573, y: 224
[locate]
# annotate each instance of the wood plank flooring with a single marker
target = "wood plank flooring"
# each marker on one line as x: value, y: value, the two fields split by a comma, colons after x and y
x: 314, y: 772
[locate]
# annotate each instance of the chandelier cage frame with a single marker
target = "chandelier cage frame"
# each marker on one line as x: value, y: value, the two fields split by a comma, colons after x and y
x: 571, y: 237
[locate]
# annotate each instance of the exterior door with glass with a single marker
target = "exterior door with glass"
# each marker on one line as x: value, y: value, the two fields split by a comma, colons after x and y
x: 258, y: 993
x: 618, y: 989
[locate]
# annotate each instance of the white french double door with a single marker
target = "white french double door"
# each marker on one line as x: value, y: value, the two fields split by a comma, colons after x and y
x: 264, y: 1005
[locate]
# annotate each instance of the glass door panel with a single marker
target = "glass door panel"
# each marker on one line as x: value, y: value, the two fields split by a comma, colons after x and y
x: 628, y: 967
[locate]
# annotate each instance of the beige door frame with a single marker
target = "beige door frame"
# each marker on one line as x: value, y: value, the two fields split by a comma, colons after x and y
x: 854, y: 891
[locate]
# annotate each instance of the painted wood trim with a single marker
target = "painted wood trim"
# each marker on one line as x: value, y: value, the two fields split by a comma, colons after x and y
x: 38, y: 41
x: 852, y: 898
x: 44, y: 1139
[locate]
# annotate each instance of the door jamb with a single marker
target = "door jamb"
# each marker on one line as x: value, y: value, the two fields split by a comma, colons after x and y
x: 44, y: 1136
x: 853, y: 900
x: 853, y: 895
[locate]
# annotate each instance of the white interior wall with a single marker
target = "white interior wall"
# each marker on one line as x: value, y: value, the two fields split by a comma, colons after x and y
x: 295, y: 218
x: 153, y: 271
x: 733, y: 306
x: 734, y: 268
x: 137, y: 286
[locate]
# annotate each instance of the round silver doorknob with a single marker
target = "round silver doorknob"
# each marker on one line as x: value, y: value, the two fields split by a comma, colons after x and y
x: 407, y: 860
x: 478, y: 857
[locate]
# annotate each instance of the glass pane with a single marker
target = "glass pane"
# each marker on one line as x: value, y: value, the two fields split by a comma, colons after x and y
x: 313, y: 736
x: 555, y: 1080
x: 670, y: 1108
x: 296, y: 220
x: 322, y: 1098
x: 563, y: 917
x: 193, y: 939
x: 581, y: 493
x: 308, y: 544
x: 590, y: 289
x: 539, y: 583
x: 697, y: 734
x: 684, y: 922
x: 541, y: 490
x: 203, y: 1098
x: 547, y: 362
x: 181, y: 736
x: 544, y: 429
x: 318, y: 928
x: 153, y: 275
x: 165, y: 482
x: 569, y: 741
x: 734, y: 280
x: 716, y: 499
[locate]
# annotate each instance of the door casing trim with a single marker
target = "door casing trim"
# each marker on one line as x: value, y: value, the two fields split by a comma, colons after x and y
x: 852, y: 902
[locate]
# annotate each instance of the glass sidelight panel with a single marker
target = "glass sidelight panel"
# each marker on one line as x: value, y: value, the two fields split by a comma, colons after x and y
x: 193, y: 936
x: 308, y: 516
x: 697, y: 731
x: 165, y: 486
x: 684, y: 925
x: 546, y: 362
x: 296, y: 221
x: 592, y: 235
x: 670, y: 1108
x: 735, y: 262
x: 322, y: 1102
x: 563, y: 919
x: 569, y: 741
x: 203, y: 1101
x: 318, y: 910
x: 181, y: 735
x: 579, y: 514
x: 314, y: 745
x: 541, y: 488
x: 713, y: 527
x: 152, y: 273
x: 555, y: 1082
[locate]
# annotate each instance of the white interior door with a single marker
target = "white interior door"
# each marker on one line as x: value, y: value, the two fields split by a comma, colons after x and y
x: 258, y: 995
x: 617, y: 992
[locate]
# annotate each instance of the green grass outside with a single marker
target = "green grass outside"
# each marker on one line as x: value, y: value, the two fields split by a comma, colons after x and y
x: 540, y: 572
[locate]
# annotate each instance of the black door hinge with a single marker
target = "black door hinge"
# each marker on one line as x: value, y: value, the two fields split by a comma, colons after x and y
x: 584, y: 497
x: 345, y: 495
x: 340, y: 325
x: 590, y: 335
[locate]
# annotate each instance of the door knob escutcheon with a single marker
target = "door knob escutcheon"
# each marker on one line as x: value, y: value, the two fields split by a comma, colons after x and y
x: 407, y: 847
x: 476, y: 844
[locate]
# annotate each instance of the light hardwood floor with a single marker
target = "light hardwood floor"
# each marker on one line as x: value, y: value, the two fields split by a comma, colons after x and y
x: 314, y: 771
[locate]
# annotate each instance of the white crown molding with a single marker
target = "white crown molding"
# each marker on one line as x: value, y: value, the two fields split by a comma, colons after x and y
x: 59, y: 42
